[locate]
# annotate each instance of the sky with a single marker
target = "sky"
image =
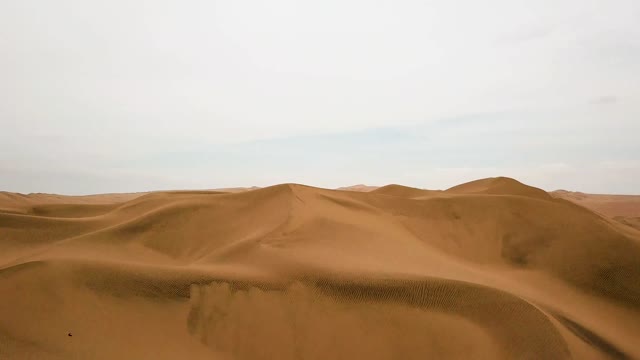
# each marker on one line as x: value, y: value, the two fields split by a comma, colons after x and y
x: 138, y: 95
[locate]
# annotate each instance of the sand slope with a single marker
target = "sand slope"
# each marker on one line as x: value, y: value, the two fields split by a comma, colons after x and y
x: 488, y: 269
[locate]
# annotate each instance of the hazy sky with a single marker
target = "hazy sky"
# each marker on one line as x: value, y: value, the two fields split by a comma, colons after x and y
x: 133, y: 95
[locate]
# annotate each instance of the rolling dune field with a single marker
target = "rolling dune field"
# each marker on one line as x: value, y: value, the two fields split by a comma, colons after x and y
x: 491, y: 269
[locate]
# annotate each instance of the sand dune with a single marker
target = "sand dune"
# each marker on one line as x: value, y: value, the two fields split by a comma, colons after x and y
x: 499, y: 186
x: 404, y: 191
x: 359, y: 187
x: 488, y: 269
x: 623, y: 208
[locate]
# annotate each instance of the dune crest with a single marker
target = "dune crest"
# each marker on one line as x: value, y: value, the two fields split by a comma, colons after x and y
x: 499, y: 186
x: 404, y: 191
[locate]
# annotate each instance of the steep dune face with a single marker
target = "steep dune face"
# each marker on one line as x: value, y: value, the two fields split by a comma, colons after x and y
x: 493, y: 267
x: 530, y: 234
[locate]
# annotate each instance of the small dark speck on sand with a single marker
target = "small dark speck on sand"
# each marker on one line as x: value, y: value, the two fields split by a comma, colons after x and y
x: 69, y: 334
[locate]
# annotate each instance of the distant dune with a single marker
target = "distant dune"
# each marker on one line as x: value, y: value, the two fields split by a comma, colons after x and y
x: 491, y: 269
x: 359, y: 187
x: 404, y: 191
x: 623, y: 208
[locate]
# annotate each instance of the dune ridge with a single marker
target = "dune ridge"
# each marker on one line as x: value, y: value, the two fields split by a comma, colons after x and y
x: 493, y: 267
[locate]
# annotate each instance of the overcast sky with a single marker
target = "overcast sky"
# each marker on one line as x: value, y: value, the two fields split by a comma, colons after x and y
x: 133, y: 95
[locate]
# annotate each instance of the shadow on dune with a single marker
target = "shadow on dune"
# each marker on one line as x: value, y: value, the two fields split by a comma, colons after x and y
x: 591, y: 338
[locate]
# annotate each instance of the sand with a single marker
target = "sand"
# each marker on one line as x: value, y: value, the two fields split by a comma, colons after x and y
x: 622, y: 208
x: 359, y: 187
x: 492, y: 269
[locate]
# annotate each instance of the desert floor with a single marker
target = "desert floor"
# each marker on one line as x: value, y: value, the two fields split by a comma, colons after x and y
x: 491, y: 269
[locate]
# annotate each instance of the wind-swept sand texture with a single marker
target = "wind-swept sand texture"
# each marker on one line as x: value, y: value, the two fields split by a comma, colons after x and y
x: 491, y: 269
